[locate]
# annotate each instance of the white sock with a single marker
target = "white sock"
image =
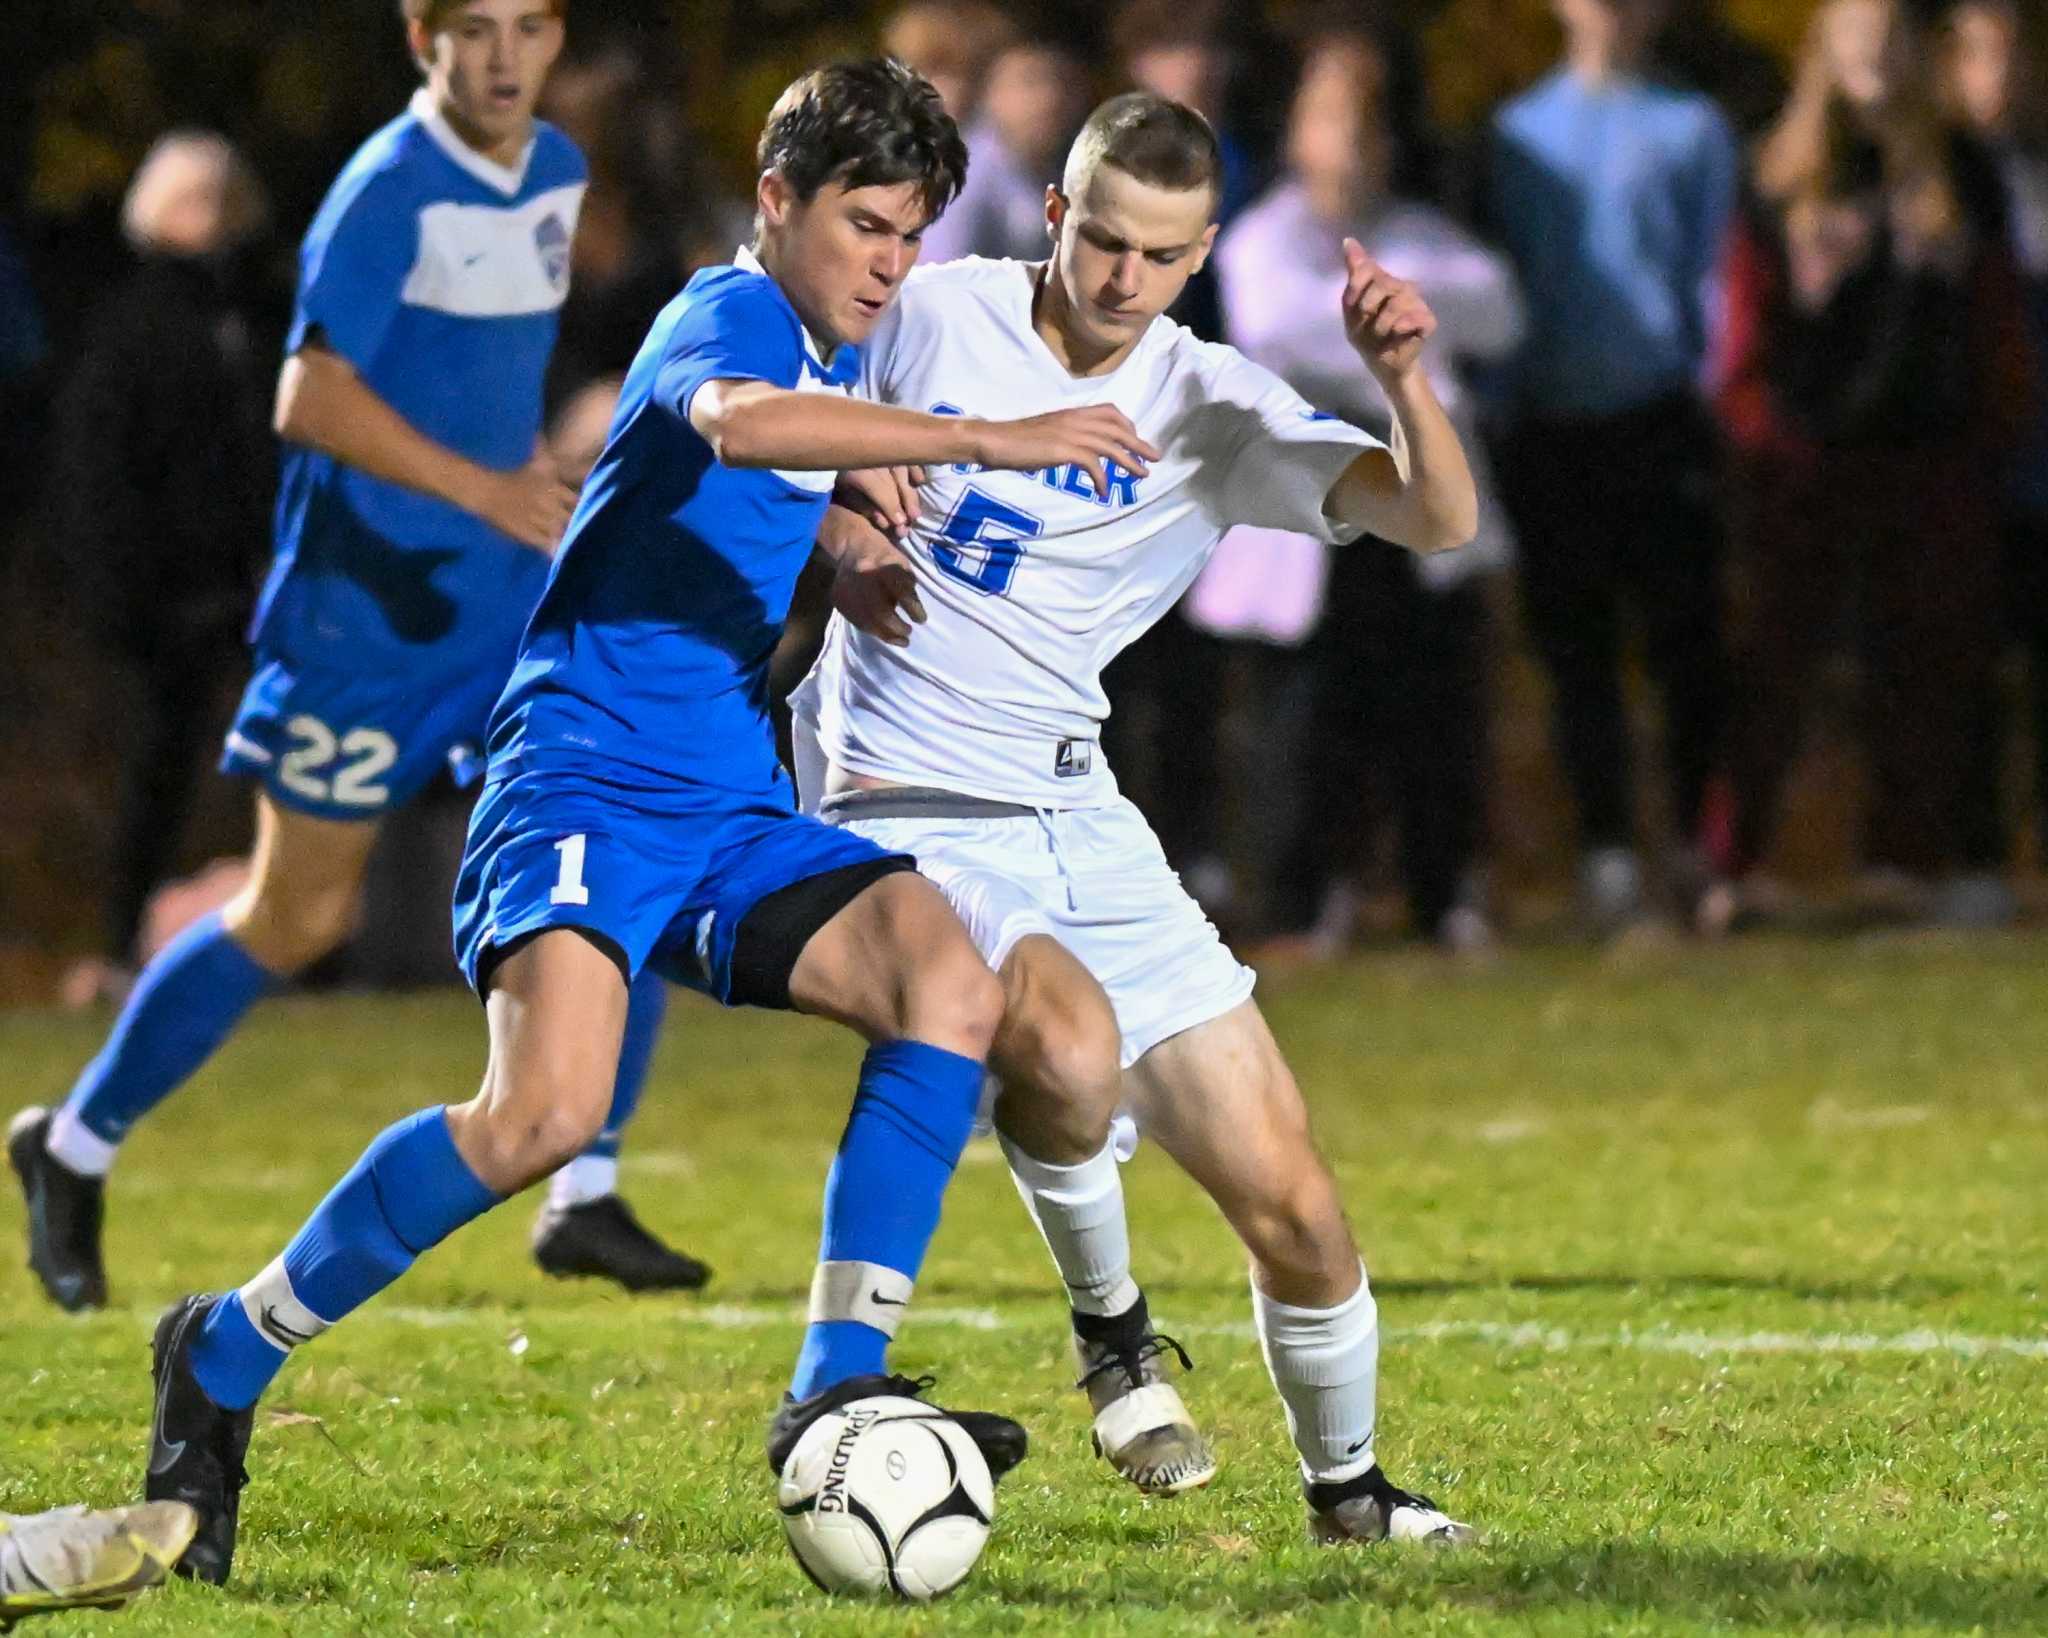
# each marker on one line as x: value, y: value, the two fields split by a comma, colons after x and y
x: 1080, y: 1211
x: 76, y: 1149
x: 584, y: 1179
x: 1325, y: 1362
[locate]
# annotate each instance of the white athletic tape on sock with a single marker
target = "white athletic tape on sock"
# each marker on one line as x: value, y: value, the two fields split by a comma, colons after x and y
x: 274, y: 1309
x: 1139, y: 1412
x: 867, y: 1293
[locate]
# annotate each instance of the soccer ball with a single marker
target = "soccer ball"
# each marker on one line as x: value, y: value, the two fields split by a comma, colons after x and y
x: 887, y: 1494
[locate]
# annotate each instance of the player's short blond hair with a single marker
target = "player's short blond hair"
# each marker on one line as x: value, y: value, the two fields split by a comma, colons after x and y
x: 431, y: 14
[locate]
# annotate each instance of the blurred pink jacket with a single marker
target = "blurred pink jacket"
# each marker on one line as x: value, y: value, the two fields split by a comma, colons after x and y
x: 1281, y: 268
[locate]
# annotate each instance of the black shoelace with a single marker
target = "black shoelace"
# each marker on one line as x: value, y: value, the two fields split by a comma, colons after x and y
x: 1134, y: 1359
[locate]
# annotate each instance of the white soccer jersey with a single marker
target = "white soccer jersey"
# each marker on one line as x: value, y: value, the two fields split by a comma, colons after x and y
x: 1032, y: 583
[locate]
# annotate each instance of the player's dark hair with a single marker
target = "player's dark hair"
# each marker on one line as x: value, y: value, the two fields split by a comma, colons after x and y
x: 869, y: 124
x: 1152, y: 140
x: 433, y: 13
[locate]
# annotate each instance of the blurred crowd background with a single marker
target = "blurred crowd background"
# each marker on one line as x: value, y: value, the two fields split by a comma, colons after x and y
x: 1743, y: 307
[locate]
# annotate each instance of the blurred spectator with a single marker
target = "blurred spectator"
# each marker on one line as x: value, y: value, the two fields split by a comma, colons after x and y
x: 1392, y: 680
x: 949, y: 42
x: 1875, y: 376
x: 161, y: 473
x: 1990, y: 87
x: 1191, y: 51
x: 1613, y: 192
x: 643, y: 228
x: 1705, y: 51
x: 23, y: 350
x: 1033, y: 101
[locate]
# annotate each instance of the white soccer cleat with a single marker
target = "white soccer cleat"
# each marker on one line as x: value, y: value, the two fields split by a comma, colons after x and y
x: 74, y: 1558
x: 1372, y: 1508
x: 1142, y: 1427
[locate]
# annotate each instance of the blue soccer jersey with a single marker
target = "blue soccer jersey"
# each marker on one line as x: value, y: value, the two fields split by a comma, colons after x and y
x: 390, y: 618
x: 634, y: 791
x: 648, y: 656
x: 438, y: 275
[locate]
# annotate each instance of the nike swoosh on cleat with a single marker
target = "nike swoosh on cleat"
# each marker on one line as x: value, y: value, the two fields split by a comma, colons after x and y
x: 164, y: 1453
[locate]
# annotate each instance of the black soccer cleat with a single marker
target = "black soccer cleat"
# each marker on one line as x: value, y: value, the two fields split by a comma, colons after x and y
x: 1002, y: 1442
x: 65, y: 1212
x: 604, y: 1238
x: 1372, y: 1507
x: 196, y: 1447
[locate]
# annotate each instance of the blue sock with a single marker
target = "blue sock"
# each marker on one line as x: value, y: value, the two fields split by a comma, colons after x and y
x: 911, y: 1118
x: 409, y: 1192
x: 181, y: 1009
x: 646, y: 1006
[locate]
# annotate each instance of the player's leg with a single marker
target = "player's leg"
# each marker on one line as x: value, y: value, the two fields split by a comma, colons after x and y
x: 1672, y: 486
x: 1045, y: 896
x: 305, y: 881
x: 586, y: 1227
x: 557, y: 1010
x: 77, y: 1558
x: 873, y: 945
x: 1569, y: 532
x: 1220, y: 1099
x: 1058, y: 1056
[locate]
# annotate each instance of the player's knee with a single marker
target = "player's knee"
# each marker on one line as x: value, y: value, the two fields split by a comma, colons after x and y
x: 525, y: 1132
x: 954, y: 1001
x: 1300, y: 1239
x: 1068, y: 1059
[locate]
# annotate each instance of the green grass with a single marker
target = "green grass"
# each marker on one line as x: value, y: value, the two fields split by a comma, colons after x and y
x: 1632, y: 1234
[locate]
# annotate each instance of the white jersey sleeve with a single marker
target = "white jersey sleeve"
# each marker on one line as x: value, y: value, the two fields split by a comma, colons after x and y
x: 1288, y: 455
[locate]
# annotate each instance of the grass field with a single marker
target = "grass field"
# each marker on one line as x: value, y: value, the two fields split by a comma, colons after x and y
x: 1712, y: 1290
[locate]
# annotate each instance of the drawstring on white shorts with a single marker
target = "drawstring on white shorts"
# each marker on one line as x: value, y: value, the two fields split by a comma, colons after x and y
x: 1047, y: 818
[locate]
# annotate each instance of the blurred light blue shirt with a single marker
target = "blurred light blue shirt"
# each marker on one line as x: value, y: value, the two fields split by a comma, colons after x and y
x: 1614, y: 200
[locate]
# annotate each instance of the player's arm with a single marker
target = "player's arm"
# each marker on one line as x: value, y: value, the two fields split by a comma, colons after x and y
x: 1418, y: 492
x: 752, y: 423
x: 323, y: 404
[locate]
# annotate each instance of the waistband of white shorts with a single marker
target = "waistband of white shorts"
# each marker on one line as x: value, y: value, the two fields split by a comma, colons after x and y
x: 916, y: 802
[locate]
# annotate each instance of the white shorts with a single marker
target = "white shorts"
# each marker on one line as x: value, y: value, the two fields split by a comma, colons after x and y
x: 1095, y: 879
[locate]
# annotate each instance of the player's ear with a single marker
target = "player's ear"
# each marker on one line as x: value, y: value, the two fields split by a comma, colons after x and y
x: 774, y: 197
x: 419, y: 42
x: 1055, y: 211
x: 1208, y: 243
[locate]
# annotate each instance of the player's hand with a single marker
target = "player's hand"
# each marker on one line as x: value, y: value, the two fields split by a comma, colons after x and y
x: 874, y: 586
x: 1088, y: 438
x: 531, y: 505
x: 885, y: 495
x: 1385, y: 318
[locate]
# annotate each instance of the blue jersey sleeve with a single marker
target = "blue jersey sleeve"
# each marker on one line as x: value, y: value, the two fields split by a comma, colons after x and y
x: 736, y: 330
x: 353, y: 268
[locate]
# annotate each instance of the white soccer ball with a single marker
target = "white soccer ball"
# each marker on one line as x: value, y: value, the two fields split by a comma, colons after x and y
x: 887, y: 1495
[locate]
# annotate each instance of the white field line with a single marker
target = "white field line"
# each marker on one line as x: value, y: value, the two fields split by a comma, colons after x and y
x: 1505, y: 1334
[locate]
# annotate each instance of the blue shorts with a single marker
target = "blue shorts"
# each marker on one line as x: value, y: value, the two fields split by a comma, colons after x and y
x: 355, y: 744
x: 660, y: 879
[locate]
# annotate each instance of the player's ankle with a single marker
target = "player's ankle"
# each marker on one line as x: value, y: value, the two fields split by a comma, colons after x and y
x: 77, y: 1148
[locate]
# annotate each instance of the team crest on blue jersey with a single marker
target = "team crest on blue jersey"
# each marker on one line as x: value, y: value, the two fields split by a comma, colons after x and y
x: 551, y: 239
